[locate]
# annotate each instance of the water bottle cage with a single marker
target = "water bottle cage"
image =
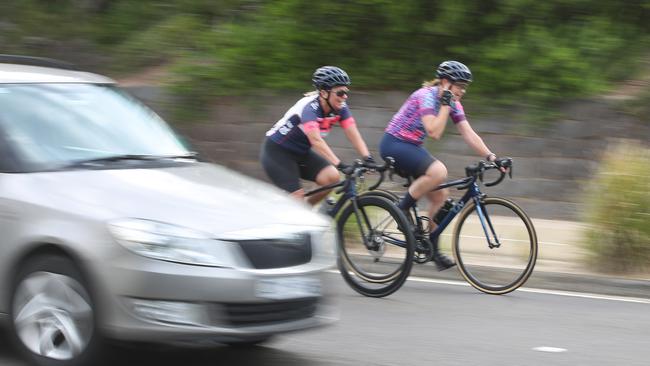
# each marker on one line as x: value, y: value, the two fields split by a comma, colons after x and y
x: 444, y: 210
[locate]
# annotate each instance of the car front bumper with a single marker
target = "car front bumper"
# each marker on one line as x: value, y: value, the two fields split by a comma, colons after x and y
x: 162, y: 302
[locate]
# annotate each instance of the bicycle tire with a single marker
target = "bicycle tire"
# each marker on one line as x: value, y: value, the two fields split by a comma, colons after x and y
x: 363, y: 207
x: 478, y: 263
x: 391, y: 197
x: 382, y: 193
x: 359, y: 265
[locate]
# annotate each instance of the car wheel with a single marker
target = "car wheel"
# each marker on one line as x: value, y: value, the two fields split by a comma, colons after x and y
x: 53, y: 315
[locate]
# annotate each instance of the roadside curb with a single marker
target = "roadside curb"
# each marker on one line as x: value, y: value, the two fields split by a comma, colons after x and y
x: 576, y: 282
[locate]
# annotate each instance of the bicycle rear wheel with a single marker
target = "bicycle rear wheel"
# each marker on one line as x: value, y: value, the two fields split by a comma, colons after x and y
x: 495, y: 245
x: 375, y: 246
x: 421, y: 249
x: 383, y: 193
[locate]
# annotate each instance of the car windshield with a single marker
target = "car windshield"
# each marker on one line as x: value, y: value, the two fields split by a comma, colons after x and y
x: 58, y: 125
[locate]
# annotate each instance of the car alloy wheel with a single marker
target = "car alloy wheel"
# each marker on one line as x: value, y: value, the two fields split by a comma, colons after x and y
x: 53, y: 317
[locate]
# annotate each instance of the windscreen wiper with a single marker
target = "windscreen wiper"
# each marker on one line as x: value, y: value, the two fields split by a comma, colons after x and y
x: 127, y: 157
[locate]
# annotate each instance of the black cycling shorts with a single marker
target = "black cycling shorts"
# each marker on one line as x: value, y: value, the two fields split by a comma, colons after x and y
x: 285, y: 168
x: 410, y: 159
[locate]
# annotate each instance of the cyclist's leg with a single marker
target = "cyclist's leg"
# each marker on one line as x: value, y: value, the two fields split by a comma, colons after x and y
x: 281, y: 166
x: 436, y: 200
x: 410, y: 160
x: 429, y: 172
x: 298, y: 194
x: 316, y: 169
x: 435, y: 175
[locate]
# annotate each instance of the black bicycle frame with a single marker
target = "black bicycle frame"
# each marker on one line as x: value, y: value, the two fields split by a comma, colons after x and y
x: 349, y: 190
x: 473, y: 193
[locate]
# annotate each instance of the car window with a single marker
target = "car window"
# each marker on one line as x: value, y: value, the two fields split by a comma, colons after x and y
x: 52, y: 125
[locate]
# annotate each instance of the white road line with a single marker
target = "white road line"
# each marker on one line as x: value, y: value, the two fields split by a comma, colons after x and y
x: 550, y: 349
x: 584, y: 295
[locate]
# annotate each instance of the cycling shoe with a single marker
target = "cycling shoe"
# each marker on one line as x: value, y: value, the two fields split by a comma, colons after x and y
x: 442, y: 261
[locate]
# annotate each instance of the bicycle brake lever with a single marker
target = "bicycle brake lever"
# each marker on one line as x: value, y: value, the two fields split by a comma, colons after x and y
x: 510, y: 171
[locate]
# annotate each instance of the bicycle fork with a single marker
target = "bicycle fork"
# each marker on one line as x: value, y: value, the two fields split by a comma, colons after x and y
x: 350, y: 193
x: 484, y: 218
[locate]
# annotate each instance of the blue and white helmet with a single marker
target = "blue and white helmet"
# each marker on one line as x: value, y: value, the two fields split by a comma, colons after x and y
x: 454, y: 71
x: 327, y: 77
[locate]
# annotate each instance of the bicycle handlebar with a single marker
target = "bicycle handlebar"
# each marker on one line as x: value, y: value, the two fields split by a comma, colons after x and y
x: 388, y: 165
x: 476, y: 170
x: 357, y: 169
x: 360, y: 167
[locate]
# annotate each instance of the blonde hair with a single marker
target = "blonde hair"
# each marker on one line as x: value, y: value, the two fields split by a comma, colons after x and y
x: 431, y: 83
x: 311, y: 93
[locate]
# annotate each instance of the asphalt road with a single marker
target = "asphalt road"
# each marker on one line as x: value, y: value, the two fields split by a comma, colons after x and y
x: 432, y: 322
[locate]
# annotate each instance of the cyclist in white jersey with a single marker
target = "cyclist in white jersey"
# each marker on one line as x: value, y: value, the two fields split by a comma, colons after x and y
x: 295, y: 148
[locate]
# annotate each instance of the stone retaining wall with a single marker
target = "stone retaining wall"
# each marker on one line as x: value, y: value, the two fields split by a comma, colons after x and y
x: 553, y: 165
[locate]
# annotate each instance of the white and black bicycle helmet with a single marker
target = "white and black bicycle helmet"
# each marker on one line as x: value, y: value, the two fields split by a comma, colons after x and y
x: 454, y: 71
x: 327, y: 77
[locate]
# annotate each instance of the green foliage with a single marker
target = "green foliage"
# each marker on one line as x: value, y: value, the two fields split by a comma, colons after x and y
x: 531, y: 52
x: 522, y: 52
x: 619, y: 211
x: 159, y: 43
x: 26, y: 25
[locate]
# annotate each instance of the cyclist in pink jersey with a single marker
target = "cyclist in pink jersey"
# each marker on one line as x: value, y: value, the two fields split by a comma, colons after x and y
x: 425, y: 113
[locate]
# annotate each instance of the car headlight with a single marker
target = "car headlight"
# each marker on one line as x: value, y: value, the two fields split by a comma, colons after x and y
x: 172, y: 243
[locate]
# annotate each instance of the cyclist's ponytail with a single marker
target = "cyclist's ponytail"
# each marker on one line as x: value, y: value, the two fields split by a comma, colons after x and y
x: 430, y: 83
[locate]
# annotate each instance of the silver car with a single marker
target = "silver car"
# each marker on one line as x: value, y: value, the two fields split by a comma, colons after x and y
x: 112, y: 229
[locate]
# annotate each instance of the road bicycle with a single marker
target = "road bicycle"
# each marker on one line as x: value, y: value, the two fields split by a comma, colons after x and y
x: 373, y: 225
x: 494, y: 241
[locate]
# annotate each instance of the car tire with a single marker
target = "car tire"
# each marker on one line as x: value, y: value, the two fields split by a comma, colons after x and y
x: 249, y: 342
x: 53, y: 315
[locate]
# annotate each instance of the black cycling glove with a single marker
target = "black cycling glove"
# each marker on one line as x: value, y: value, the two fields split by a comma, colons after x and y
x: 446, y: 97
x: 344, y: 168
x: 369, y: 160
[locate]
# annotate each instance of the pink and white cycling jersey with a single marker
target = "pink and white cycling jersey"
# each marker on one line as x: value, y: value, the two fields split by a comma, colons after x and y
x: 407, y: 124
x: 309, y: 113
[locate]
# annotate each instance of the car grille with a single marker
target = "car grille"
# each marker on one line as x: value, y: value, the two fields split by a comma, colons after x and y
x: 248, y: 314
x: 277, y: 253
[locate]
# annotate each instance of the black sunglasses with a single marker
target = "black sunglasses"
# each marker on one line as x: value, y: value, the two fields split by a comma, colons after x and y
x: 341, y: 93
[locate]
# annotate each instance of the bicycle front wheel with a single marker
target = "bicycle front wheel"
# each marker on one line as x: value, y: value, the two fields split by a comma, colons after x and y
x: 375, y: 246
x: 495, y: 245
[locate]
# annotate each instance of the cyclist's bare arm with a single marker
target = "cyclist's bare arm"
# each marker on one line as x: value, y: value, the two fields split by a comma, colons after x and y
x: 320, y: 146
x: 435, y: 125
x: 352, y: 133
x: 473, y: 139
